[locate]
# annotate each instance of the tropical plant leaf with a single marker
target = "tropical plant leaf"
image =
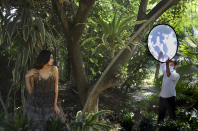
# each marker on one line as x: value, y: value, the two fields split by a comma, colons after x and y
x: 42, y: 31
x: 99, y: 113
x: 26, y: 32
x: 76, y: 3
x: 102, y: 125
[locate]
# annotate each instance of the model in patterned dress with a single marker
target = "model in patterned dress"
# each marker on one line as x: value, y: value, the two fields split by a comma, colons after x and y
x: 42, y: 87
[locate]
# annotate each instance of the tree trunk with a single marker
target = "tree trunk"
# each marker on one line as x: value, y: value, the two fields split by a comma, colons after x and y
x: 78, y: 69
x: 157, y: 71
x: 93, y: 104
x: 73, y: 32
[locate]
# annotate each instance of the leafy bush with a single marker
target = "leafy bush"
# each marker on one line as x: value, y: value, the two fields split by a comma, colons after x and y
x: 193, y: 121
x: 174, y: 126
x: 17, y: 122
x: 158, y: 83
x: 148, y: 123
x: 89, y: 122
x: 127, y: 121
x: 138, y: 67
x: 188, y: 116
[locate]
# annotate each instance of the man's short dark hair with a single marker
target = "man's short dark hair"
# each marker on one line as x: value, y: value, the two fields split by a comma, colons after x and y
x: 174, y: 61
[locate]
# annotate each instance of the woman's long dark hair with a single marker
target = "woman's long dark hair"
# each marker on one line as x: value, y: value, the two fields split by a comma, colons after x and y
x: 42, y: 59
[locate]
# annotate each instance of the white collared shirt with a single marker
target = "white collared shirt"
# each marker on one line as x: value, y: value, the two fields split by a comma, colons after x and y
x: 168, y: 83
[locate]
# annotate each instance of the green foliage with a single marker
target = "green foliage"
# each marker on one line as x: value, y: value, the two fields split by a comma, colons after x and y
x: 189, y: 48
x: 25, y: 29
x: 187, y: 93
x: 148, y: 122
x: 175, y: 18
x: 6, y: 76
x: 109, y: 27
x: 55, y: 124
x: 158, y: 83
x: 190, y: 116
x: 127, y: 121
x: 138, y: 68
x: 174, y: 126
x: 17, y: 122
x: 89, y: 122
x: 112, y: 30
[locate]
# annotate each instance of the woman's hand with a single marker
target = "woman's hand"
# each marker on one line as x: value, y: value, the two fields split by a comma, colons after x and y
x: 57, y: 110
x: 31, y: 73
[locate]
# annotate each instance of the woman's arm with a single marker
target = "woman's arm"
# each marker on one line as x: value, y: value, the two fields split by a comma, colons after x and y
x: 56, y: 84
x: 56, y: 108
x: 29, y: 80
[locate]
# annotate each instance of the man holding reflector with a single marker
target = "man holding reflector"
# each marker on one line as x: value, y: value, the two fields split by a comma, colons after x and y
x: 168, y: 92
x: 162, y: 43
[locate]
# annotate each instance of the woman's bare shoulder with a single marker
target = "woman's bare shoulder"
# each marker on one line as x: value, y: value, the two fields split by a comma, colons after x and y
x: 54, y: 68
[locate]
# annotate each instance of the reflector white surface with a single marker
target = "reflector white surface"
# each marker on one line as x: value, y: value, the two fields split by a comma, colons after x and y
x: 162, y: 38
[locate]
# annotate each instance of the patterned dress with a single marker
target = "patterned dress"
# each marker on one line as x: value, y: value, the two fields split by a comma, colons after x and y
x: 40, y: 103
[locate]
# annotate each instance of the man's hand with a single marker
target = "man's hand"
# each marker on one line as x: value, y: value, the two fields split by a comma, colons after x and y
x: 168, y: 61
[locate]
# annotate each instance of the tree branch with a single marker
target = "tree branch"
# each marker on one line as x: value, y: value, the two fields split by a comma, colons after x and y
x: 158, y: 10
x: 125, y: 55
x: 141, y: 12
x: 81, y: 18
x: 160, y: 6
x: 60, y: 12
x: 108, y: 84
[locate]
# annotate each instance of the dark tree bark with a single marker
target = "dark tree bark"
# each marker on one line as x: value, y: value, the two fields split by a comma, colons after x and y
x: 73, y: 31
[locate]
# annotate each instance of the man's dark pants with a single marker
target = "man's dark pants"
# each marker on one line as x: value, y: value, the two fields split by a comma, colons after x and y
x: 167, y: 104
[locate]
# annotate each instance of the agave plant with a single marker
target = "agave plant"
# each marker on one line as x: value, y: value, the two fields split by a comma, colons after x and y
x: 113, y: 31
x: 89, y: 122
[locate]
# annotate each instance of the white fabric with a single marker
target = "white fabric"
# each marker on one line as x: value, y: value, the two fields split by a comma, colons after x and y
x: 168, y: 83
